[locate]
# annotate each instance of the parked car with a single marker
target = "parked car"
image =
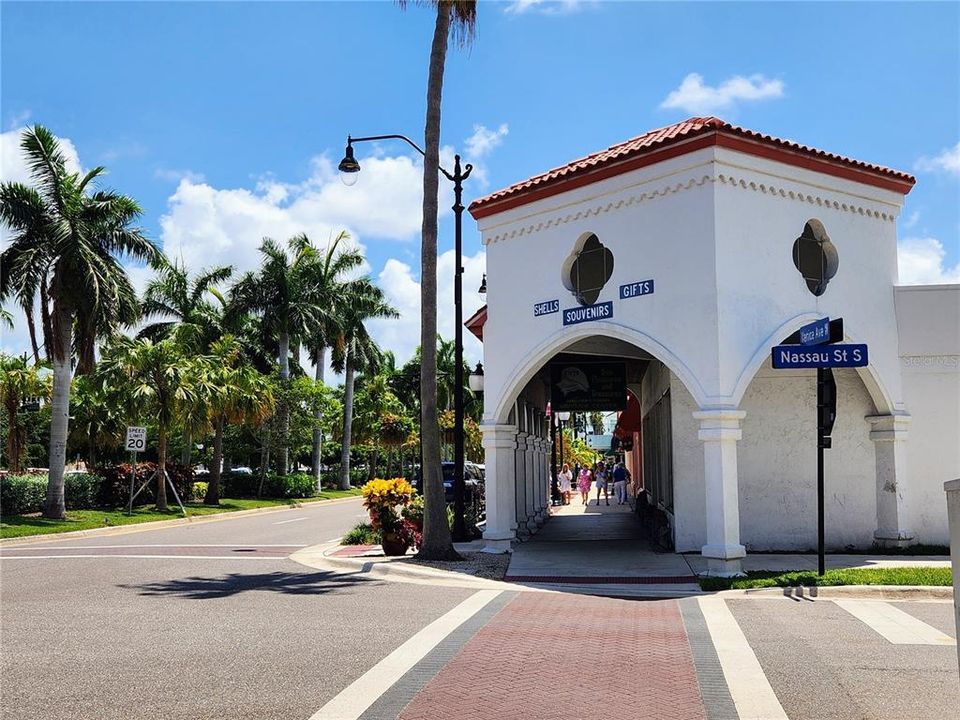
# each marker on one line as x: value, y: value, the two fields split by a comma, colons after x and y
x: 472, y: 479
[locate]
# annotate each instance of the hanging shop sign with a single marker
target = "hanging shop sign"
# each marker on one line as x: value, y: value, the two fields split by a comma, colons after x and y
x: 587, y: 386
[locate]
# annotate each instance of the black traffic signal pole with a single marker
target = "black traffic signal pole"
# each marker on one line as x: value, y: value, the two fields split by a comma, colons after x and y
x: 826, y: 414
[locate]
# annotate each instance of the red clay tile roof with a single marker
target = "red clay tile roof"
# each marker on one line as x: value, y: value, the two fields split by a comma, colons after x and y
x: 678, y: 139
x: 476, y: 322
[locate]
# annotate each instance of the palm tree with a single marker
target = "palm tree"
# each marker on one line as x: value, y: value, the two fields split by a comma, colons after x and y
x: 19, y: 381
x: 97, y: 414
x: 182, y: 310
x: 458, y: 17
x: 285, y: 295
x: 355, y: 350
x: 233, y: 392
x: 158, y: 380
x: 328, y: 272
x: 65, y: 248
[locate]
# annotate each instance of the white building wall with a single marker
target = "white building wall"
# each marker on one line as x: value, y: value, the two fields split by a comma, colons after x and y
x: 778, y: 464
x: 929, y: 322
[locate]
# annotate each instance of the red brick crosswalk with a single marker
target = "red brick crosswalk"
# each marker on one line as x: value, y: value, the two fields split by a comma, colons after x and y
x: 550, y: 656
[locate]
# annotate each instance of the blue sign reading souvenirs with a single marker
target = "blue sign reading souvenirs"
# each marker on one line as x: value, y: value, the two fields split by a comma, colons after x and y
x: 546, y: 307
x: 788, y: 357
x: 816, y: 333
x: 600, y: 311
x: 644, y: 287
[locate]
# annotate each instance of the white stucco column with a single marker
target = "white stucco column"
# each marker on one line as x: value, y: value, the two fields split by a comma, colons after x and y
x: 499, y: 445
x: 720, y: 431
x: 540, y: 476
x: 889, y: 435
x: 952, y: 488
x: 520, y: 489
x: 531, y: 484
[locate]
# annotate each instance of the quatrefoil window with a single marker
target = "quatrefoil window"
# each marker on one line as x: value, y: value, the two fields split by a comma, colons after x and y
x: 816, y: 257
x: 587, y: 269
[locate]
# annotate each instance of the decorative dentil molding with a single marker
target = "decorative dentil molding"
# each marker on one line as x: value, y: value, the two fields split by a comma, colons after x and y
x: 694, y: 182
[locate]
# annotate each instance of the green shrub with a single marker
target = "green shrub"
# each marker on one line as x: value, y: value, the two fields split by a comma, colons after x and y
x: 115, y: 488
x: 21, y: 494
x: 361, y: 534
x: 82, y: 490
x: 198, y: 491
x: 298, y: 485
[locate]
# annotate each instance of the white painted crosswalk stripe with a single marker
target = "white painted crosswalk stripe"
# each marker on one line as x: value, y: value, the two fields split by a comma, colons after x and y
x: 897, y: 626
x: 749, y: 687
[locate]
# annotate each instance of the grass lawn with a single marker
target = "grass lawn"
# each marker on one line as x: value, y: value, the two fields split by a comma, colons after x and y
x: 21, y: 525
x: 938, y: 576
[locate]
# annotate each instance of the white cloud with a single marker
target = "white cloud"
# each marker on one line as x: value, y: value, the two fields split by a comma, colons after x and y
x: 547, y: 7
x: 484, y: 140
x: 175, y: 176
x: 695, y: 97
x: 920, y: 261
x: 947, y: 161
x: 13, y: 167
x: 18, y: 119
x: 402, y: 289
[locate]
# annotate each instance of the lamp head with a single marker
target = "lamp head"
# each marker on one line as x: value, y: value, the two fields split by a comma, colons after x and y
x: 349, y: 167
x: 483, y: 285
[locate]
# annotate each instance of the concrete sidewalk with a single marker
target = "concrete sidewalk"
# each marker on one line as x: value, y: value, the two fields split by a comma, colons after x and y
x: 604, y: 550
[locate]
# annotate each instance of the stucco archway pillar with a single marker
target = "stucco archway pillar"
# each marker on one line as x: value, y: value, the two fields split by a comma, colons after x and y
x: 541, y: 476
x: 530, y: 481
x: 499, y: 444
x: 520, y: 484
x: 889, y: 435
x: 719, y: 432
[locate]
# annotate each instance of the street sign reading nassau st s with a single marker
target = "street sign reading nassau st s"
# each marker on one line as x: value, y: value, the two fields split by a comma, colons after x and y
x: 786, y: 357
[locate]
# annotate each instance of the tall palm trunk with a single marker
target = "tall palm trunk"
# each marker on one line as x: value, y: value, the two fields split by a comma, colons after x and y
x: 32, y: 329
x: 437, y: 544
x: 283, y: 457
x: 347, y: 426
x: 213, y: 486
x: 45, y: 321
x: 185, y: 451
x: 317, y: 418
x: 162, y: 469
x: 59, y: 418
x: 372, y: 463
x: 13, y: 434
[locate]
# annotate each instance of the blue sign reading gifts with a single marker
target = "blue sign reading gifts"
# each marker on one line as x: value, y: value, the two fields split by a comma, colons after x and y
x: 635, y: 289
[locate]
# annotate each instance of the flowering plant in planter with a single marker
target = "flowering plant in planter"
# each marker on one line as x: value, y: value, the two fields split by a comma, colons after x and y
x: 386, y: 500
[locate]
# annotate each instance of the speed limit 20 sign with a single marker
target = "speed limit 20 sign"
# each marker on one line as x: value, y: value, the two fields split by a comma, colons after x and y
x: 136, y: 439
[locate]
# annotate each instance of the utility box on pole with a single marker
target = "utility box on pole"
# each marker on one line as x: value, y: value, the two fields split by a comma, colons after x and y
x: 953, y: 517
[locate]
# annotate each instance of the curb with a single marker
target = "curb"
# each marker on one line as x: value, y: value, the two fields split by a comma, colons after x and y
x: 159, y: 524
x: 896, y: 593
x: 319, y: 558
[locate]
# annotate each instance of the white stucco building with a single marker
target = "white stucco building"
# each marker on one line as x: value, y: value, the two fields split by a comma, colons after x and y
x: 726, y: 445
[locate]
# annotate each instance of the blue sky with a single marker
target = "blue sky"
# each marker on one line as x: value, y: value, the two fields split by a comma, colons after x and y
x: 226, y: 120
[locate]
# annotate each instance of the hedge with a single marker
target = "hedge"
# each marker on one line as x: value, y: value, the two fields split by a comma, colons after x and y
x: 296, y: 485
x: 115, y: 489
x: 20, y: 494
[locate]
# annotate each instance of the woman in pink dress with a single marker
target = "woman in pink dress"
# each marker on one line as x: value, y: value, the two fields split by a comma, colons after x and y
x: 583, y: 483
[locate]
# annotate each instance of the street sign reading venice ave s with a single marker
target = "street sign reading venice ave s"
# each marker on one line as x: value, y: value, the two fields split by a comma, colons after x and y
x: 816, y: 333
x: 136, y: 439
x: 787, y: 357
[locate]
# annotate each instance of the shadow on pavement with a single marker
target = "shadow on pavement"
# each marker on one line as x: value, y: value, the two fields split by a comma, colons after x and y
x: 208, y: 588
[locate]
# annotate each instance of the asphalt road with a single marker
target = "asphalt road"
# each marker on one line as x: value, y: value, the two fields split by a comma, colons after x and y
x: 167, y: 634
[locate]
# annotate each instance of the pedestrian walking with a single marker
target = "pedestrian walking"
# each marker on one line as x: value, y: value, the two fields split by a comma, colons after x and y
x: 602, y: 481
x: 583, y: 483
x: 564, y: 479
x: 620, y: 477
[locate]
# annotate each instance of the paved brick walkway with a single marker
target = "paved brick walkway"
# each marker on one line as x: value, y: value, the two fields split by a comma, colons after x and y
x: 567, y: 657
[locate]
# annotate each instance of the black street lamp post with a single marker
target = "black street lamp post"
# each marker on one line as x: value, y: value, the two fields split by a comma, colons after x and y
x: 349, y: 168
